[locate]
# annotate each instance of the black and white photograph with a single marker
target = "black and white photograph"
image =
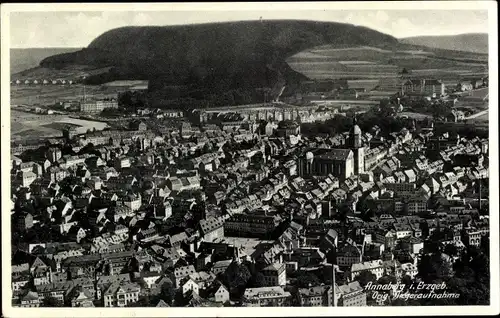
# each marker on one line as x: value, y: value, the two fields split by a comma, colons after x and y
x: 278, y: 155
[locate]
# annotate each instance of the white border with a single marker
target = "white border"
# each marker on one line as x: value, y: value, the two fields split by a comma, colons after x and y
x: 9, y: 311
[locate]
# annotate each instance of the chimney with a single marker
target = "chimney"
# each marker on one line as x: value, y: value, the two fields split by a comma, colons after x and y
x: 333, y: 286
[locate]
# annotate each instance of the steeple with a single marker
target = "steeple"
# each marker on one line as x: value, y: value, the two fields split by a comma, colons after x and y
x: 356, y: 146
x: 355, y: 134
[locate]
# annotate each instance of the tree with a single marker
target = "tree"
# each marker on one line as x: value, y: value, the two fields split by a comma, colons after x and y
x: 307, y: 279
x: 258, y: 280
x: 167, y: 292
x: 236, y: 277
x: 407, y: 281
x: 434, y: 268
x: 386, y: 279
x: 365, y: 277
x: 440, y: 110
x: 451, y: 250
x: 50, y: 301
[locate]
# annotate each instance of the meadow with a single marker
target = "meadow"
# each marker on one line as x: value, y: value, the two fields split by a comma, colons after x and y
x: 27, y: 125
x: 327, y: 62
x: 52, y: 94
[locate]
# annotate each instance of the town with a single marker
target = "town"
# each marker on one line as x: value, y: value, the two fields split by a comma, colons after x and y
x: 247, y: 206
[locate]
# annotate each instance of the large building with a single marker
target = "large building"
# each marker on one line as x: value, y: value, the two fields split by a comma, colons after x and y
x: 275, y: 274
x: 97, y: 106
x: 317, y: 296
x: 351, y: 295
x: 342, y: 163
x: 287, y: 128
x: 266, y: 297
x: 324, y: 161
x: 251, y: 225
x: 429, y: 87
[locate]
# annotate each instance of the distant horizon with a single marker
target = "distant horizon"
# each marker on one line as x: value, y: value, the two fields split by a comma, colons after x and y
x: 77, y: 29
x: 81, y: 47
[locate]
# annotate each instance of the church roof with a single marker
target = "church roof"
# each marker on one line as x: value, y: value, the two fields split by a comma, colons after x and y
x: 336, y: 154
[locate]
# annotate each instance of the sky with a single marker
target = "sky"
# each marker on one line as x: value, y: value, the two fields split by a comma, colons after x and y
x: 78, y: 29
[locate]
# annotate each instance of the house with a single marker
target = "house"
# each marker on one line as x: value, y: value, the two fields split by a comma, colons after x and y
x: 375, y: 267
x: 19, y: 282
x: 76, y: 234
x: 409, y: 269
x: 347, y: 255
x: 23, y: 221
x: 121, y: 294
x: 30, y: 299
x: 190, y: 286
x: 182, y: 272
x: 122, y: 162
x: 351, y: 295
x: 221, y: 293
x: 212, y: 228
x: 27, y: 178
x: 147, y: 235
x: 317, y: 296
x: 402, y: 230
x: 133, y: 201
x: 81, y: 297
x: 275, y: 274
x: 274, y: 296
x: 221, y: 266
x: 162, y: 303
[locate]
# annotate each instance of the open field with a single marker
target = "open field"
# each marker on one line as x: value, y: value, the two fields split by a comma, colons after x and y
x: 418, y: 116
x: 51, y: 94
x: 125, y: 83
x: 26, y: 125
x: 481, y: 93
x: 375, y: 63
x: 481, y: 117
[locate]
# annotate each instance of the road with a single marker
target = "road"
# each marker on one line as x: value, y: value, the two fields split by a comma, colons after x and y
x: 477, y: 114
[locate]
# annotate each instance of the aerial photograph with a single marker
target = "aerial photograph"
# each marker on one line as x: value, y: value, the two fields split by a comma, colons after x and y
x: 249, y: 158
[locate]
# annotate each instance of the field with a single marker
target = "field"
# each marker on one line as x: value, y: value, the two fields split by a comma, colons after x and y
x: 125, y: 83
x: 481, y: 93
x: 417, y: 116
x: 51, y: 94
x: 374, y: 63
x: 483, y: 118
x: 26, y: 125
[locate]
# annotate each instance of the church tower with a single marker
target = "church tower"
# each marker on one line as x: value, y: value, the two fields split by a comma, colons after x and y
x: 356, y: 145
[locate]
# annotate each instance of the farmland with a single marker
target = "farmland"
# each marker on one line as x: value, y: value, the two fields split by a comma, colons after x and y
x: 375, y: 63
x: 27, y: 125
x: 51, y: 94
x: 418, y: 116
x: 483, y: 118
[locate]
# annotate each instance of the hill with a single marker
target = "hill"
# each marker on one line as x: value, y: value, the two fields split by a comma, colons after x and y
x: 23, y: 59
x: 470, y: 42
x: 216, y: 63
x: 375, y: 63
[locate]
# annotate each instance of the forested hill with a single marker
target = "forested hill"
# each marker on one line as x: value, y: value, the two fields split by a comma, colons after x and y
x: 213, y: 57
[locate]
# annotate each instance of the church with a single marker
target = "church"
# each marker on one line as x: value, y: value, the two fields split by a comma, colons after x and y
x: 342, y: 163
